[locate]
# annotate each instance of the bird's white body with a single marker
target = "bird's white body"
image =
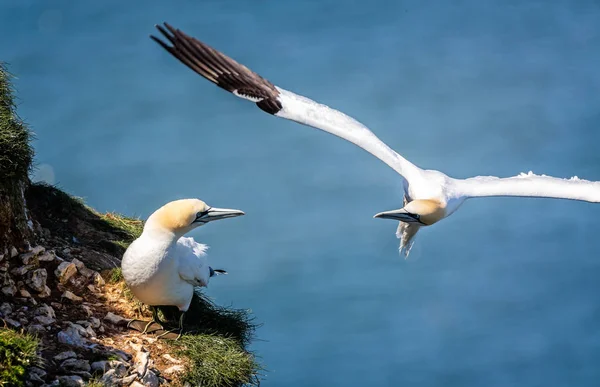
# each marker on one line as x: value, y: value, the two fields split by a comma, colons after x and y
x: 162, y: 271
x: 162, y: 267
x: 429, y: 195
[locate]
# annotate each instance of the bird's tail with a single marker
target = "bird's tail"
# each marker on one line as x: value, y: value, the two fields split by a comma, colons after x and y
x: 214, y: 272
x: 406, y: 233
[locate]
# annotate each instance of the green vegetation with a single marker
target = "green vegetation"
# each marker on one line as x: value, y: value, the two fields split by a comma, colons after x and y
x: 214, y: 344
x: 16, y: 153
x: 115, y: 275
x: 215, y: 361
x: 16, y: 156
x: 17, y: 352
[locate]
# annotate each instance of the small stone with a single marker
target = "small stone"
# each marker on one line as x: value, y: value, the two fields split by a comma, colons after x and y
x: 13, y: 252
x: 105, y: 365
x: 84, y: 271
x: 1, y: 257
x: 36, y: 375
x: 70, y: 296
x: 98, y: 280
x: 37, y: 250
x: 95, y: 322
x: 37, y: 279
x: 36, y: 329
x: 21, y: 271
x: 78, y: 264
x: 71, y: 336
x: 71, y: 381
x: 9, y: 290
x: 141, y: 364
x: 100, y: 366
x: 66, y: 251
x: 29, y: 259
x: 56, y: 305
x: 114, y: 319
x: 109, y: 378
x: 81, y: 330
x: 150, y: 380
x: 83, y: 323
x: 91, y: 288
x: 46, y: 257
x: 65, y: 355
x: 24, y: 293
x: 64, y: 271
x: 70, y: 365
x: 90, y: 332
x: 129, y: 381
x: 12, y: 323
x: 45, y: 293
x: 44, y: 320
x: 84, y: 374
x: 101, y: 329
x: 45, y: 310
x: 87, y: 310
x: 5, y: 309
x: 173, y: 369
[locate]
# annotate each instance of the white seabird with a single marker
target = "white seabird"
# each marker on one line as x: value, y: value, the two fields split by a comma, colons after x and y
x: 162, y: 267
x: 429, y: 195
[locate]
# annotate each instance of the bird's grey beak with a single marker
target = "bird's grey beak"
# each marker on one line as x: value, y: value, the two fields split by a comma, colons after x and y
x: 218, y: 213
x: 401, y: 215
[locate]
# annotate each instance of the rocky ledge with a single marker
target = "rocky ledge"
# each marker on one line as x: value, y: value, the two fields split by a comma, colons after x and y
x: 54, y: 296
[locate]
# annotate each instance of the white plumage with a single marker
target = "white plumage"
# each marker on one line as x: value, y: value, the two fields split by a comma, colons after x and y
x: 162, y: 267
x: 429, y: 195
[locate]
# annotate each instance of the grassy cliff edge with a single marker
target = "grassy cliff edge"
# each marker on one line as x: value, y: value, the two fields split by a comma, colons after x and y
x: 213, y: 353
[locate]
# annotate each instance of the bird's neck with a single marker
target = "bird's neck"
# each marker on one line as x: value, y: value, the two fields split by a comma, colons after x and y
x: 159, y: 234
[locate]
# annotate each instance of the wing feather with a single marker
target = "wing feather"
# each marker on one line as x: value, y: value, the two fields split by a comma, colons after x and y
x: 529, y: 185
x: 193, y: 264
x: 243, y: 82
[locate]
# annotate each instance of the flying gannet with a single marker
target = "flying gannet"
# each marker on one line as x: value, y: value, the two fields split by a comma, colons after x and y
x: 429, y: 195
x: 162, y: 267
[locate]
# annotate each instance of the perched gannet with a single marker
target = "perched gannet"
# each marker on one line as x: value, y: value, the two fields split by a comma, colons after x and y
x: 162, y: 267
x: 429, y: 195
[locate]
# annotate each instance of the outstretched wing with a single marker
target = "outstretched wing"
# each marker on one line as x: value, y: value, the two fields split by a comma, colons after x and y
x: 529, y: 185
x: 193, y: 265
x: 244, y: 83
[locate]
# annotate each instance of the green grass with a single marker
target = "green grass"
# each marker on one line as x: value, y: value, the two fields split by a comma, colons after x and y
x: 216, y: 361
x: 214, y: 344
x: 94, y: 383
x: 16, y: 153
x: 17, y: 352
x: 115, y: 275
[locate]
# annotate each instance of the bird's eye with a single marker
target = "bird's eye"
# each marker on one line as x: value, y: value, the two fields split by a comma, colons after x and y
x: 201, y: 214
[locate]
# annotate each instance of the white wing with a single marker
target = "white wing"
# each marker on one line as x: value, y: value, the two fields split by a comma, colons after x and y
x: 529, y: 185
x: 244, y: 83
x: 193, y: 265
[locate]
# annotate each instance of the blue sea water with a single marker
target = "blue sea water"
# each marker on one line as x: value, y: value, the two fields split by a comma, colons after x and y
x: 505, y: 292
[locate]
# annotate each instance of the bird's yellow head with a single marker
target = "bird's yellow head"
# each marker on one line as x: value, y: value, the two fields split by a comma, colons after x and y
x: 181, y: 216
x: 423, y: 212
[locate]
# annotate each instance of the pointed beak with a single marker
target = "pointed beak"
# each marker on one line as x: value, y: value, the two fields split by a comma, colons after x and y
x: 400, y: 215
x: 218, y: 213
